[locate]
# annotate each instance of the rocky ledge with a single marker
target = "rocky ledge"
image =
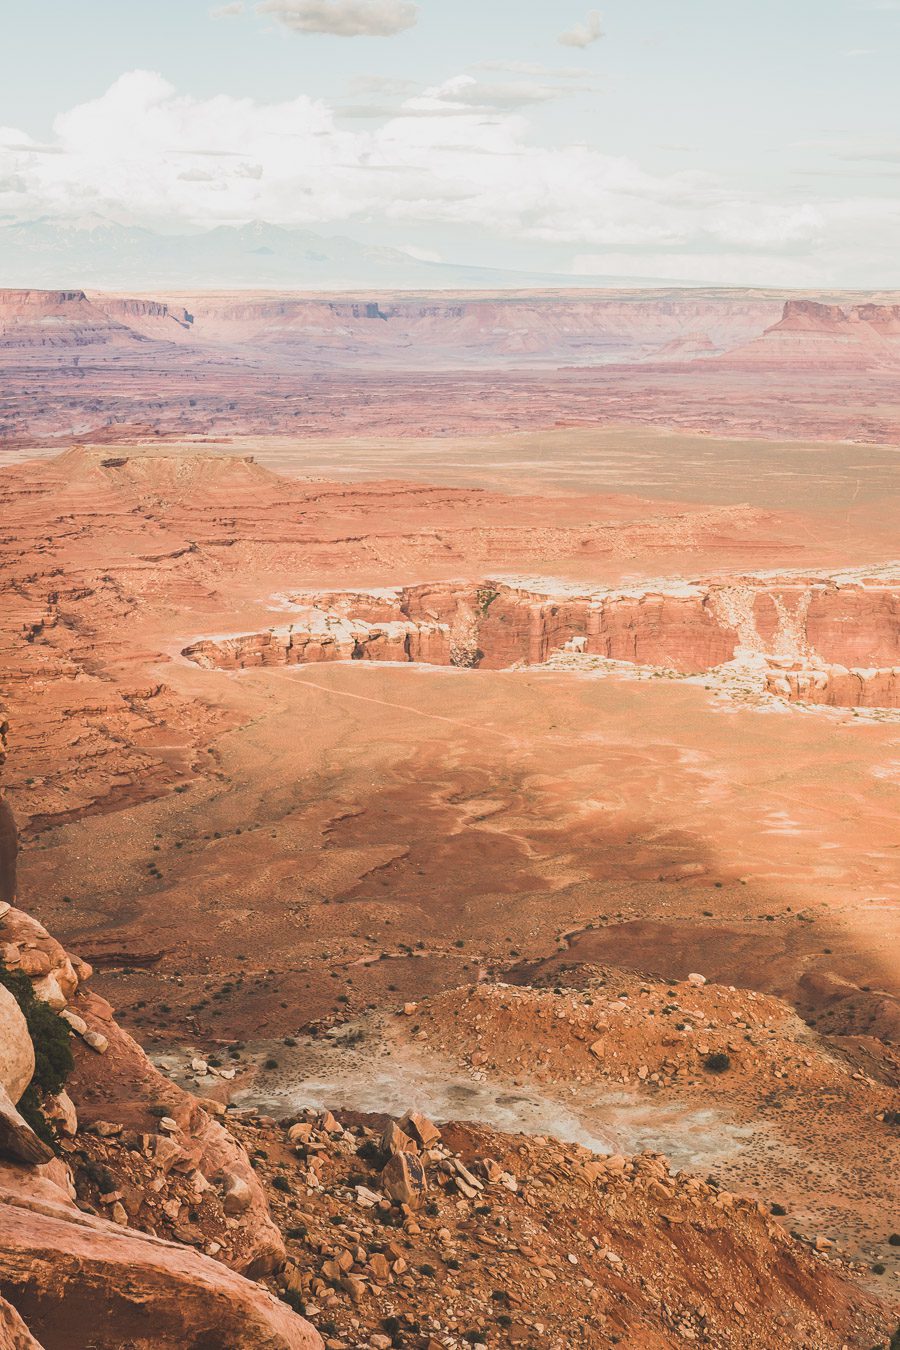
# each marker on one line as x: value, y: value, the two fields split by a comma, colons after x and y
x: 171, y: 1263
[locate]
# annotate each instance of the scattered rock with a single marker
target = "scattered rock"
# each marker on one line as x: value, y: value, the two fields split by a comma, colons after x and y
x: 403, y: 1179
x: 420, y: 1128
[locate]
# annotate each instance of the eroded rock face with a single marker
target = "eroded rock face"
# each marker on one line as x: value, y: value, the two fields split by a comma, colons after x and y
x: 838, y: 687
x: 9, y: 851
x: 120, y: 1084
x: 811, y: 335
x: 688, y: 628
x: 9, y: 837
x: 77, y: 1279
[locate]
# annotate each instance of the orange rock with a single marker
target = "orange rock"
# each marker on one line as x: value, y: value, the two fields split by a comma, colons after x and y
x: 403, y: 1179
x: 54, y: 1257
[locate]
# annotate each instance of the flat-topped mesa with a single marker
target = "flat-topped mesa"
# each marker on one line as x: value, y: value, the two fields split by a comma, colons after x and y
x: 689, y: 628
x: 35, y: 319
x: 13, y: 300
x: 811, y: 334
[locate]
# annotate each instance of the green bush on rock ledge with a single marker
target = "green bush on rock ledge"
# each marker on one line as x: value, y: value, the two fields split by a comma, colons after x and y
x: 53, y: 1062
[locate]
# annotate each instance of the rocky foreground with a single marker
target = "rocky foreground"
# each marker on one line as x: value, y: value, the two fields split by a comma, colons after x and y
x: 149, y: 1217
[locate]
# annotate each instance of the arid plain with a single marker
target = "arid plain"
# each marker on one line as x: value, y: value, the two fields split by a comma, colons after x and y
x: 539, y: 676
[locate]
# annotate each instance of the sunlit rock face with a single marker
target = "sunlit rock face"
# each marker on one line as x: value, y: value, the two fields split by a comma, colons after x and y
x: 835, y: 642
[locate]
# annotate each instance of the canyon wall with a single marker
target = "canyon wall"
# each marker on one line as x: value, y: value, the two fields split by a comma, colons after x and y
x: 573, y: 327
x: 418, y: 329
x: 838, y: 687
x: 688, y: 628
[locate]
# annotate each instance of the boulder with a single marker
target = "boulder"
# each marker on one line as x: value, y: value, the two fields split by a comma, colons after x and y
x: 61, y: 1111
x: 48, y: 990
x: 16, y: 1050
x: 420, y: 1128
x: 63, y: 1269
x: 395, y: 1140
x: 17, y: 1139
x: 238, y: 1195
x: 404, y: 1180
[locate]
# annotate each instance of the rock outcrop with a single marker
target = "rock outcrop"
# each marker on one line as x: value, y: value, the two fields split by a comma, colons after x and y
x: 32, y: 319
x: 16, y: 1050
x: 684, y: 627
x: 14, y: 1335
x: 813, y: 335
x: 17, y: 1139
x: 79, y: 1278
x: 837, y: 687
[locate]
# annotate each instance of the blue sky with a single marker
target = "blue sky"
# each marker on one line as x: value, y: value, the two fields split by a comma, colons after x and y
x: 720, y: 140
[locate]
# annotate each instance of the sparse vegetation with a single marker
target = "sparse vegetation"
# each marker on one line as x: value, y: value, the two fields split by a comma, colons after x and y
x: 52, y: 1052
x: 485, y: 597
x: 717, y: 1063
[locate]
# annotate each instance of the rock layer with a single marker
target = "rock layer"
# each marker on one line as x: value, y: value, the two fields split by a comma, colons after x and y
x: 686, y: 628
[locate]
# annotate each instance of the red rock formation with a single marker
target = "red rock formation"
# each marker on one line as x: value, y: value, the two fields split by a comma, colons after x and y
x: 838, y: 687
x: 505, y: 625
x: 112, y: 1074
x: 811, y: 335
x: 495, y: 625
x: 77, y: 1279
x: 57, y: 319
x: 9, y: 838
x: 14, y: 1335
x: 462, y: 329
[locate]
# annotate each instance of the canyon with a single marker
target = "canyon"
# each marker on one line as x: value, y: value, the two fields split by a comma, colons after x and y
x: 86, y: 365
x: 805, y: 629
x: 452, y: 741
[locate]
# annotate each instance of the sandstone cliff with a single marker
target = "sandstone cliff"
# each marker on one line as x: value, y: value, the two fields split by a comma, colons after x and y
x: 818, y: 624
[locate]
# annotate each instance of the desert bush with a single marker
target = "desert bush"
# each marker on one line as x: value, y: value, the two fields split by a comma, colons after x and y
x: 717, y: 1063
x: 52, y: 1052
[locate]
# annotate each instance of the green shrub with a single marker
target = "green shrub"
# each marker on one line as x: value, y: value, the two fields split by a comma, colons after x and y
x: 718, y: 1063
x: 53, y: 1062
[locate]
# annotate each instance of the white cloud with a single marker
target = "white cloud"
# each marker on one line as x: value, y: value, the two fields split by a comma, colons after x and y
x: 583, y: 34
x: 343, y: 18
x: 465, y: 93
x: 861, y: 148
x: 447, y: 160
x: 227, y: 11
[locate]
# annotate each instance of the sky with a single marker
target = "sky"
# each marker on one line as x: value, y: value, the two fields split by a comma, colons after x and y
x: 719, y: 141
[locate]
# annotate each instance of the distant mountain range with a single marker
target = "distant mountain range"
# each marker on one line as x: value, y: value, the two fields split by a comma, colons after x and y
x: 107, y: 256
